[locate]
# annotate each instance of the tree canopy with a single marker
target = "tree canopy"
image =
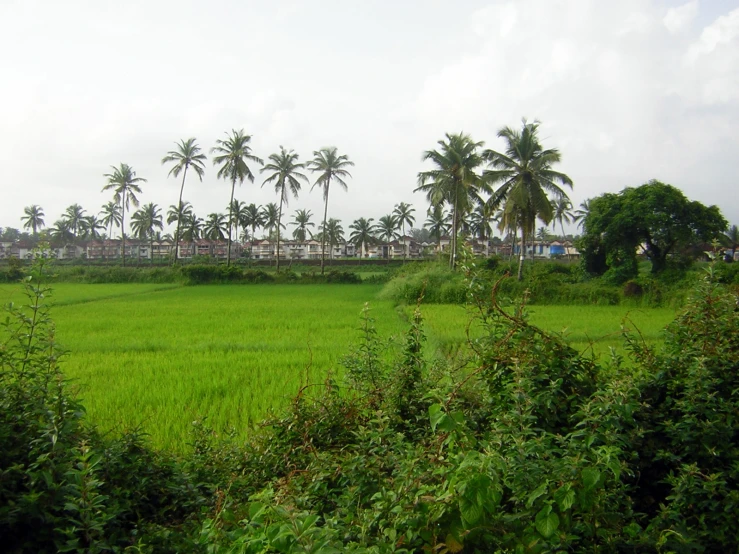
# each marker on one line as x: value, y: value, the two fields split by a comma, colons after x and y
x: 655, y: 218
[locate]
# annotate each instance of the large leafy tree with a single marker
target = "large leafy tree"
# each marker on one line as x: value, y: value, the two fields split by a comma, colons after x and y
x: 253, y: 218
x: 403, y: 213
x: 125, y: 186
x: 330, y: 166
x: 145, y: 222
x: 362, y: 235
x: 455, y: 180
x: 33, y: 218
x: 232, y: 154
x: 655, y: 216
x: 285, y: 174
x: 301, y: 221
x: 526, y: 179
x: 186, y: 155
x: 74, y: 214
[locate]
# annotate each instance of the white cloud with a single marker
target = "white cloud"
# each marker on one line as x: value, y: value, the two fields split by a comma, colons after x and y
x: 677, y: 19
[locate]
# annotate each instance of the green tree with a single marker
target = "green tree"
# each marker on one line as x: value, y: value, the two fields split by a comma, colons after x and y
x: 145, y: 222
x: 253, y: 218
x: 403, y: 213
x: 334, y: 234
x: 362, y: 235
x: 111, y: 213
x: 192, y: 229
x: 301, y: 221
x: 232, y: 155
x: 562, y: 213
x: 330, y: 166
x: 655, y: 216
x: 526, y: 177
x: 91, y: 227
x: 437, y: 223
x: 215, y: 228
x: 455, y: 180
x: 238, y: 209
x: 286, y: 177
x: 581, y: 213
x: 387, y: 229
x: 186, y: 155
x: 731, y: 238
x: 33, y: 218
x: 74, y: 214
x: 270, y: 216
x: 125, y: 186
x: 179, y: 214
x: 61, y: 232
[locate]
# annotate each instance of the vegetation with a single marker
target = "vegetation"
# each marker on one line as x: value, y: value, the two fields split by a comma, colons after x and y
x: 125, y: 186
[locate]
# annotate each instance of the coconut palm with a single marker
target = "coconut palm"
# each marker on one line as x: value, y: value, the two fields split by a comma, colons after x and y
x: 145, y: 222
x: 180, y: 214
x: 192, y: 229
x: 333, y: 234
x: 362, y: 235
x: 33, y: 218
x: 238, y: 209
x: 61, y: 231
x: 232, y: 155
x: 526, y: 177
x: 186, y: 155
x: 270, y: 214
x: 437, y: 223
x: 330, y: 166
x: 111, y: 213
x: 253, y: 218
x: 91, y: 226
x: 581, y: 213
x: 74, y: 214
x: 215, y: 228
x: 731, y: 238
x: 286, y: 177
x: 562, y: 213
x: 301, y: 221
x: 455, y: 180
x: 125, y: 186
x: 387, y: 228
x: 403, y: 213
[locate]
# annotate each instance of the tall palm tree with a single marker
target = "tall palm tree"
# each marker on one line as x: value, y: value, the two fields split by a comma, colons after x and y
x: 33, y: 217
x: 526, y: 176
x: 363, y: 234
x: 330, y: 166
x: 581, y: 213
x: 74, y: 214
x: 125, y: 186
x: 455, y: 179
x: 403, y: 213
x: 192, y: 229
x: 180, y: 214
x: 111, y: 213
x: 562, y: 213
x: 253, y: 218
x: 232, y: 155
x: 437, y: 222
x: 145, y: 222
x: 215, y: 228
x: 91, y: 226
x: 301, y: 221
x: 285, y: 176
x: 186, y: 155
x: 270, y: 214
x: 61, y: 231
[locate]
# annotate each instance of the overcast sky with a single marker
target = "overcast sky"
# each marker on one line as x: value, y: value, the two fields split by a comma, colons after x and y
x: 628, y: 91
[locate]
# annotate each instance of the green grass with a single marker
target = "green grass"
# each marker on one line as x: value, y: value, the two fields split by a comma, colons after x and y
x: 162, y: 356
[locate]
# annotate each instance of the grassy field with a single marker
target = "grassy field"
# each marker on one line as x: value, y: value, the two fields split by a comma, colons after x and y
x: 162, y: 356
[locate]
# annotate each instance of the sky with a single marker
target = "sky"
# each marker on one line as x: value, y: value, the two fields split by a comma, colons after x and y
x: 628, y: 91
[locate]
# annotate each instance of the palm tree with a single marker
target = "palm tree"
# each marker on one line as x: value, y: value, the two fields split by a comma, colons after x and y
x: 91, y: 226
x: 111, y: 213
x: 238, y: 208
x: 286, y: 178
x: 61, y: 231
x: 232, y: 155
x: 179, y: 213
x: 186, y: 155
x: 363, y: 233
x: 581, y: 213
x: 215, y: 228
x: 74, y: 214
x: 387, y: 229
x: 270, y: 214
x: 330, y: 166
x: 732, y: 239
x: 33, y: 216
x: 253, y: 218
x: 526, y: 176
x: 301, y: 221
x: 192, y: 228
x: 562, y: 213
x: 454, y: 180
x: 437, y: 222
x: 334, y: 234
x: 125, y: 186
x: 145, y: 222
x: 403, y: 213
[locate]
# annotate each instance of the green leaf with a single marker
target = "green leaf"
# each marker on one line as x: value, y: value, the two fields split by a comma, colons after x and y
x: 547, y: 522
x: 541, y: 489
x: 590, y: 478
x: 565, y: 497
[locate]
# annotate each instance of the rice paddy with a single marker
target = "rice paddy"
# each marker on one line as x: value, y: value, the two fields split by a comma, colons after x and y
x: 159, y: 357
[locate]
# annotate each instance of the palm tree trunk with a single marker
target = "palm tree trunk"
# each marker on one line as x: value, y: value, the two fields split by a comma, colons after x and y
x: 151, y: 249
x: 564, y: 241
x: 179, y: 217
x: 251, y: 244
x: 279, y: 219
x: 323, y: 235
x: 230, y: 217
x: 123, y: 230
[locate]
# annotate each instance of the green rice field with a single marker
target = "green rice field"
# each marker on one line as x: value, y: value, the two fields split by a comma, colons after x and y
x: 161, y: 356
